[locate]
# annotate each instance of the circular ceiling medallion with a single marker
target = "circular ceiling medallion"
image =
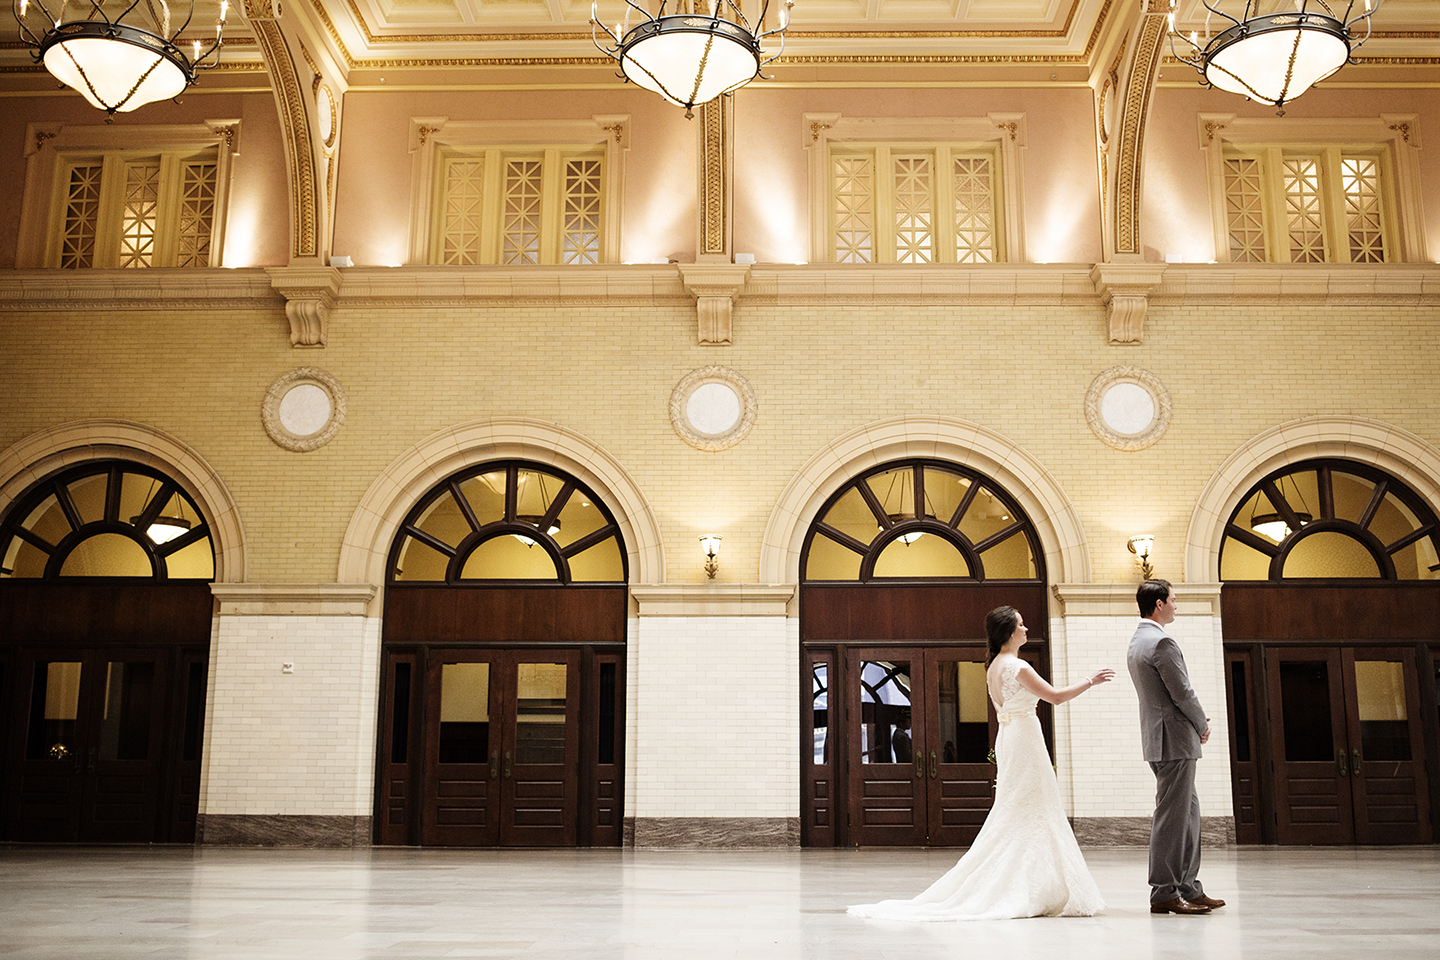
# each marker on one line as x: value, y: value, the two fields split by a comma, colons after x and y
x: 304, y: 409
x: 712, y: 408
x: 325, y: 103
x: 1128, y: 408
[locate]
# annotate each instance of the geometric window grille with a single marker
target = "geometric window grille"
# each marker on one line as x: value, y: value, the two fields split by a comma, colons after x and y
x: 1316, y: 206
x: 106, y: 518
x: 511, y: 521
x: 1245, y: 210
x: 519, y: 206
x: 969, y: 529
x: 1303, y: 216
x: 896, y: 205
x: 120, y: 210
x: 583, y: 193
x: 1331, y: 519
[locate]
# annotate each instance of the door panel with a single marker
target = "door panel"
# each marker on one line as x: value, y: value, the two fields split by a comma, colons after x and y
x: 887, y: 768
x: 960, y: 775
x: 539, y: 784
x: 1312, y: 788
x: 93, y: 741
x: 463, y: 769
x: 1388, y: 782
x: 1347, y: 762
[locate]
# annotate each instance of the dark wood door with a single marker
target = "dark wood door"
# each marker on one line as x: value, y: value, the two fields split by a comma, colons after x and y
x: 886, y: 749
x: 959, y: 774
x: 1347, y: 732
x: 464, y: 697
x: 1389, y: 789
x: 920, y: 729
x: 502, y: 748
x: 90, y: 754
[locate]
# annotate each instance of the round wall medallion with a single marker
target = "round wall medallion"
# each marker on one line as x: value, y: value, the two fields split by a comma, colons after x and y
x: 712, y: 408
x: 325, y: 103
x: 1127, y: 407
x: 304, y: 409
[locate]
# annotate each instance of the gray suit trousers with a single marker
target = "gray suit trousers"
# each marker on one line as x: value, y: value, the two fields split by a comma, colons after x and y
x: 1175, y: 833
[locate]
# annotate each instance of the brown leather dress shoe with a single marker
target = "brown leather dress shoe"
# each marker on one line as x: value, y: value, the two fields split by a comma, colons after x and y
x: 1205, y: 901
x: 1179, y: 905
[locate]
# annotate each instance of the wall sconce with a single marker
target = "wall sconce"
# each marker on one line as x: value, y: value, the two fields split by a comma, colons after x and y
x: 1141, y: 547
x: 711, y: 545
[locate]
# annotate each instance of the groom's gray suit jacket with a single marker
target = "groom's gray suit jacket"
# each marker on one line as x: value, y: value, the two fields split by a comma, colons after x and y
x: 1171, y: 718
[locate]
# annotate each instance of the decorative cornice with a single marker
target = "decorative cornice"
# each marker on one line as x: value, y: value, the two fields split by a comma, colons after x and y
x: 712, y: 599
x: 1403, y: 284
x: 294, y: 599
x: 1118, y: 599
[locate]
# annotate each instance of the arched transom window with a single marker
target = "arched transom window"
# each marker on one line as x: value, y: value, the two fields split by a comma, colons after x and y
x: 967, y: 527
x: 1323, y: 519
x: 509, y: 521
x: 107, y: 518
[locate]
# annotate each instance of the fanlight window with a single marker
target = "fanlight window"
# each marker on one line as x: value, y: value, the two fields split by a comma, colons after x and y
x: 1325, y: 519
x: 106, y: 519
x: 967, y: 528
x: 509, y: 521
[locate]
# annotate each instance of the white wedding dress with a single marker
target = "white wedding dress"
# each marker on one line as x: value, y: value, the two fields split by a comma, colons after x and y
x: 1025, y: 862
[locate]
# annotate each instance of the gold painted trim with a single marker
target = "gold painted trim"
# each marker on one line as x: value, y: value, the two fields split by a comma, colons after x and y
x: 296, y: 131
x: 1129, y: 155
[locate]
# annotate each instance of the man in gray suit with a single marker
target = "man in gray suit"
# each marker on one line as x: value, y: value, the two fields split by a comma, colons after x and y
x: 1173, y: 725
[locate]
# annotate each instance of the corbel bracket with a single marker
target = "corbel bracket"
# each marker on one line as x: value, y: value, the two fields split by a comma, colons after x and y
x: 310, y: 293
x: 1124, y: 289
x: 714, y: 287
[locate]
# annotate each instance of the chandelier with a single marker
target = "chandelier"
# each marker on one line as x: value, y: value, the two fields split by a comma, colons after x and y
x: 1276, y: 56
x: 115, y: 63
x: 691, y: 56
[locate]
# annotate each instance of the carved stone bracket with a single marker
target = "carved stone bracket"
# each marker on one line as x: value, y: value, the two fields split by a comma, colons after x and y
x: 310, y: 293
x: 714, y: 287
x: 1124, y: 288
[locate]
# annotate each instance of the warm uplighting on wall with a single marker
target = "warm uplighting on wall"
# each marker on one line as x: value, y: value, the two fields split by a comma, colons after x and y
x: 710, y: 543
x: 1141, y: 545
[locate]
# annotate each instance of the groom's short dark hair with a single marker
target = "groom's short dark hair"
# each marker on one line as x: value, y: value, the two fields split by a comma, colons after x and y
x: 1151, y: 594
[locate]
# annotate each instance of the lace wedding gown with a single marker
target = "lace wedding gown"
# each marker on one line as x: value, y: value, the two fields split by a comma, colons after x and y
x: 1025, y: 862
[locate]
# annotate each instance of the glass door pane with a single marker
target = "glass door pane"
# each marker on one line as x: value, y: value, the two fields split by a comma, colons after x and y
x: 886, y: 753
x: 462, y: 768
x: 54, y: 710
x: 885, y: 735
x: 1380, y: 702
x: 465, y: 713
x: 964, y: 712
x: 960, y: 777
x: 126, y: 711
x: 540, y: 712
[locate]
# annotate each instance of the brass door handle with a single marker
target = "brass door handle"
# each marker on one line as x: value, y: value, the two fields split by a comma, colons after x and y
x: 934, y: 766
x: 920, y: 765
x: 494, y: 763
x: 1355, y: 761
x: 507, y: 764
x: 1344, y: 770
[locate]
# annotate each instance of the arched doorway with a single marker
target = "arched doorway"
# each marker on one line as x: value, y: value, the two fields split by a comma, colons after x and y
x: 1331, y: 614
x: 897, y: 572
x: 105, y: 617
x: 503, y: 664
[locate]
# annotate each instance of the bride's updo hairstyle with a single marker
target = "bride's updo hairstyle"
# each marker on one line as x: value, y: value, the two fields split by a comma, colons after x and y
x: 1000, y: 624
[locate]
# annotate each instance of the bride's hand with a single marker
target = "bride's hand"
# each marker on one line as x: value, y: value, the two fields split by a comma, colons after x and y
x: 1102, y: 676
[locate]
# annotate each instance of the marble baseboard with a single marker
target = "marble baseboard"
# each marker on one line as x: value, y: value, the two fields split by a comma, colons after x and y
x: 1135, y: 831
x: 712, y: 832
x: 259, y: 830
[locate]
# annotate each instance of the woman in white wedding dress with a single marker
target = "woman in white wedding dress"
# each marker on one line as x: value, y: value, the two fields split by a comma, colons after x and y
x: 1024, y: 862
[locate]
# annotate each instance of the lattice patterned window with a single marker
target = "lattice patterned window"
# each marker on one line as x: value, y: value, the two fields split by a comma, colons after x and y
x: 924, y: 204
x: 119, y: 209
x: 517, y: 206
x: 1307, y: 205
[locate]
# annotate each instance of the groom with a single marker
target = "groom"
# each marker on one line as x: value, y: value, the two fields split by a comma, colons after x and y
x: 1173, y: 725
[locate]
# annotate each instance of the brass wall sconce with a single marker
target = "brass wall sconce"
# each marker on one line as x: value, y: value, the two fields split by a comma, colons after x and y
x: 711, y: 544
x: 1141, y: 547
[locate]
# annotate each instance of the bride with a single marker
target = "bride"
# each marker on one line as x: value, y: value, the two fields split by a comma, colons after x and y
x: 1025, y: 862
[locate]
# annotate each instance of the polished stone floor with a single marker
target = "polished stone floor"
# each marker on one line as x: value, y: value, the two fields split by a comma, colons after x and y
x: 80, y: 903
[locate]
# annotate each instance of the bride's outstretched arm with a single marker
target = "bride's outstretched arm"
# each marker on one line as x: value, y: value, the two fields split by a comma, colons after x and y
x: 1037, y: 684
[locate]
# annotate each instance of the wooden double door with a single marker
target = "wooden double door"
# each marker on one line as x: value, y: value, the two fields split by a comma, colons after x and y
x: 489, y: 746
x: 901, y: 739
x: 104, y: 745
x: 1347, y: 736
